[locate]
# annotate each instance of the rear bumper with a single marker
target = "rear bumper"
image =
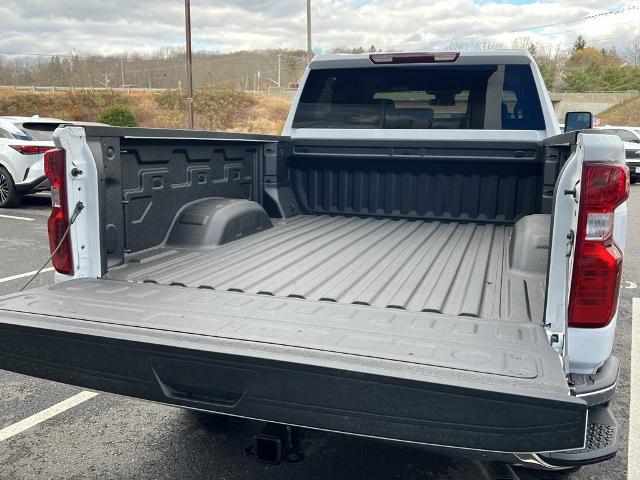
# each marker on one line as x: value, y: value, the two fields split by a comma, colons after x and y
x: 598, y: 388
x: 601, y: 443
x: 602, y: 433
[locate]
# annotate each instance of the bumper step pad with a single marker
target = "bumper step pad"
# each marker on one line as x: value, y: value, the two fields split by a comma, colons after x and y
x: 601, y: 442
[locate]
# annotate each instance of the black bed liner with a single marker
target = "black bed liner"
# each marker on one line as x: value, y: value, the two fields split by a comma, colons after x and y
x: 451, y: 268
x: 418, y: 377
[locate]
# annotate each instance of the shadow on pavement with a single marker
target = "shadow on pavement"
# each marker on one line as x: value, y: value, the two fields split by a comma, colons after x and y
x: 36, y: 201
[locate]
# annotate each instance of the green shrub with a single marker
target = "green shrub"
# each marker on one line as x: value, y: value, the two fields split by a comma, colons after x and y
x: 118, y: 116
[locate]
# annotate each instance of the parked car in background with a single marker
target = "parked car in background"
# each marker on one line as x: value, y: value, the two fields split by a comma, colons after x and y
x: 23, y: 141
x: 630, y: 137
x: 626, y: 134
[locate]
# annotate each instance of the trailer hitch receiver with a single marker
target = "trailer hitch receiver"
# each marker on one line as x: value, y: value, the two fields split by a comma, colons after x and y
x: 276, y: 444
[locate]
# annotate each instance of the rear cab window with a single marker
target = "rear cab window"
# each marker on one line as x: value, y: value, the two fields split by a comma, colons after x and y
x: 417, y: 97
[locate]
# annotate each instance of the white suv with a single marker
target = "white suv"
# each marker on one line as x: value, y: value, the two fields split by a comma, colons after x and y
x: 630, y: 137
x: 23, y: 141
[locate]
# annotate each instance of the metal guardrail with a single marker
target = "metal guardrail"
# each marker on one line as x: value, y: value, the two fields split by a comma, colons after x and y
x: 53, y: 88
x: 630, y: 92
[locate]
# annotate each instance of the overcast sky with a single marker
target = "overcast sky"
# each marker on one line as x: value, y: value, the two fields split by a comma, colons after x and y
x: 113, y: 26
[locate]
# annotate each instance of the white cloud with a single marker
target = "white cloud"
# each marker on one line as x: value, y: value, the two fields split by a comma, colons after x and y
x: 46, y: 26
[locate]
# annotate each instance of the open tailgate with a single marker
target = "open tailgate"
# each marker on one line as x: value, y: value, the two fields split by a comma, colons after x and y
x: 417, y: 377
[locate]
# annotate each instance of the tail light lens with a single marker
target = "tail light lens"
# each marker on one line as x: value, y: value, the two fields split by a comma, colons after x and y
x: 30, y: 149
x: 418, y: 57
x: 597, y: 263
x: 56, y: 171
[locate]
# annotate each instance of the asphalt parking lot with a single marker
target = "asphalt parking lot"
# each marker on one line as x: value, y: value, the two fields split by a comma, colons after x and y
x: 107, y: 437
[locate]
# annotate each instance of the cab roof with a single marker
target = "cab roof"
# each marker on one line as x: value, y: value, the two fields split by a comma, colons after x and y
x: 363, y: 60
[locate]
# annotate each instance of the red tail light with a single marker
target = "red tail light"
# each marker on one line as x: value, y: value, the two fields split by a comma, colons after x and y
x: 418, y: 57
x: 597, y: 264
x: 56, y: 171
x: 30, y: 149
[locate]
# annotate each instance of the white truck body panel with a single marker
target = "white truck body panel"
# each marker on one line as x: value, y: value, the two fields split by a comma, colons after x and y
x: 589, y: 348
x: 585, y: 349
x: 85, y: 232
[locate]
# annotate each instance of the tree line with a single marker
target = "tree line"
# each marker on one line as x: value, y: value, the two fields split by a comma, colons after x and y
x: 245, y: 70
x: 582, y: 68
x: 587, y: 68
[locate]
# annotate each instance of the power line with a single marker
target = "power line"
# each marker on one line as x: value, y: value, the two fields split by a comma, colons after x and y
x: 548, y: 34
x: 577, y: 20
x: 485, y: 35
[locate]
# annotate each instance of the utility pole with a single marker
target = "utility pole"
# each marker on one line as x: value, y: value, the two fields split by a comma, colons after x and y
x: 279, y: 63
x: 187, y: 20
x: 122, y: 71
x: 309, y: 47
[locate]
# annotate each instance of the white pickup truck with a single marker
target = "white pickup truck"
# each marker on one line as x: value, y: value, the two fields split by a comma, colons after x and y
x: 421, y: 257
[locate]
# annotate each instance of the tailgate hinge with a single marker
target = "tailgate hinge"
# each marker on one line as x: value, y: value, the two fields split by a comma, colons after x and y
x: 556, y: 339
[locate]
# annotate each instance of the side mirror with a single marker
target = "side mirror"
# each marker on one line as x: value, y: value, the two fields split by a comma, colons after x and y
x: 577, y: 121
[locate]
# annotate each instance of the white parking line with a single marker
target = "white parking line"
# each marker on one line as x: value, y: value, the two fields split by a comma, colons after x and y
x: 44, y: 415
x: 23, y: 275
x: 634, y: 408
x: 13, y: 217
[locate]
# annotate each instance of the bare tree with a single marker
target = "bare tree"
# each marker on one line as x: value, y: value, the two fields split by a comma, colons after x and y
x: 525, y: 43
x: 484, y: 45
x: 164, y: 69
x: 632, y: 51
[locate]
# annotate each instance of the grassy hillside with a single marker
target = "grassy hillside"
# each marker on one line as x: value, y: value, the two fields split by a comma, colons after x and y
x: 215, y: 109
x: 626, y: 113
x: 230, y: 110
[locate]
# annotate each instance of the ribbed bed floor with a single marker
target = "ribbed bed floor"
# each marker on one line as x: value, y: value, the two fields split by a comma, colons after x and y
x: 451, y: 268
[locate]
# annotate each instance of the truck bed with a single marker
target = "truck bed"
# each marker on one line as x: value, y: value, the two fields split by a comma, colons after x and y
x: 451, y: 268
